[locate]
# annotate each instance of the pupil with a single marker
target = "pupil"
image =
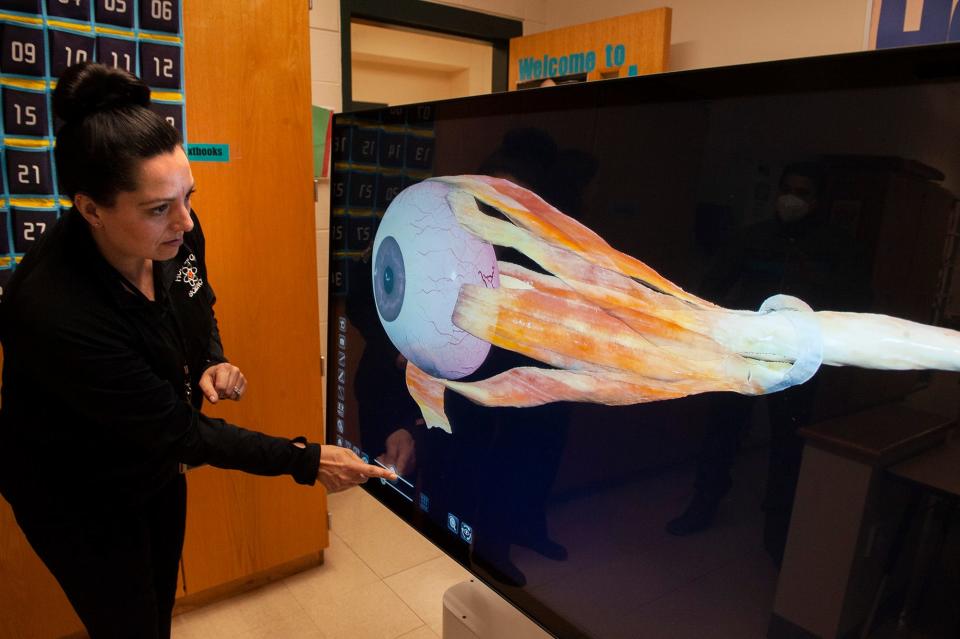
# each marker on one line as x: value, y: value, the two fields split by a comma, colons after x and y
x: 388, y: 280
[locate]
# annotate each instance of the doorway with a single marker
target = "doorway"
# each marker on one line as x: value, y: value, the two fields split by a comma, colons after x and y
x: 402, y: 51
x: 399, y: 65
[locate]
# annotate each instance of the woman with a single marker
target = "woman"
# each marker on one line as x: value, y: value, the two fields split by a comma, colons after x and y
x: 110, y: 345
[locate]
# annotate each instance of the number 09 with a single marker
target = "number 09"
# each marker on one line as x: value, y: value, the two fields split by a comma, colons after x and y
x: 23, y: 52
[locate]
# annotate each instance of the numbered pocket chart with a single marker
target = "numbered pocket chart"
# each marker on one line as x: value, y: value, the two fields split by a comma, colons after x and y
x: 39, y: 39
x: 374, y: 158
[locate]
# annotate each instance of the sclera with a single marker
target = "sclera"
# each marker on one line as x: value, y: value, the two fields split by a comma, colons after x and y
x: 436, y: 257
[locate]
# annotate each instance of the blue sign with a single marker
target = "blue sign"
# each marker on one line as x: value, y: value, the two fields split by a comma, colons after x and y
x: 939, y: 22
x: 551, y: 66
x: 208, y: 152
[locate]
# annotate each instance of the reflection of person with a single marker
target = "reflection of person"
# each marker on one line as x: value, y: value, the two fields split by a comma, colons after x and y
x: 400, y: 449
x: 797, y: 252
x: 390, y: 421
x: 501, y: 468
x: 110, y: 346
x: 531, y: 159
x: 522, y: 447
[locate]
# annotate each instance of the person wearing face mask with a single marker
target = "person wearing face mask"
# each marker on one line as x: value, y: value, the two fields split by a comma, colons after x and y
x: 794, y: 252
x: 799, y: 193
x: 791, y: 208
x: 110, y: 347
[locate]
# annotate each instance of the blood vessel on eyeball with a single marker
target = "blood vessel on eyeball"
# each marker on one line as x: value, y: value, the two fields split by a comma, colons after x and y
x: 421, y: 259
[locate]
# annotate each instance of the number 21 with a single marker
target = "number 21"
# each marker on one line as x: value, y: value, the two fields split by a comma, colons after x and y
x: 23, y: 174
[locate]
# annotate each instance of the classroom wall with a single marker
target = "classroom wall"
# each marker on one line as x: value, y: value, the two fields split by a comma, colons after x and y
x: 725, y: 32
x: 704, y: 34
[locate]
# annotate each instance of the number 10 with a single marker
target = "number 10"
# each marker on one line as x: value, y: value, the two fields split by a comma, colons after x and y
x: 75, y: 56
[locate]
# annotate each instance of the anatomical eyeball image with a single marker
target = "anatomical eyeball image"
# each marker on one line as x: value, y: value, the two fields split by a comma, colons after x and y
x: 422, y: 257
x: 607, y: 328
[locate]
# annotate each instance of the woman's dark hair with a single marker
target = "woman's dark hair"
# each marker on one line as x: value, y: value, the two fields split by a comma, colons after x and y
x: 108, y: 128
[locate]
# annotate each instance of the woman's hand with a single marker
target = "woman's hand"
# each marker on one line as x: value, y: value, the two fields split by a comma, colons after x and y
x: 222, y: 381
x: 340, y: 468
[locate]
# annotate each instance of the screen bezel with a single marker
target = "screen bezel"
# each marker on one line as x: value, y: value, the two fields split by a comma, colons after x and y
x: 902, y: 67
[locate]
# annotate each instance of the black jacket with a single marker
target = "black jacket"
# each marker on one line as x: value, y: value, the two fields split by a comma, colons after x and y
x: 100, y: 402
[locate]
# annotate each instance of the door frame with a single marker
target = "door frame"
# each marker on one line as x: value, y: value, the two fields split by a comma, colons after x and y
x: 428, y: 16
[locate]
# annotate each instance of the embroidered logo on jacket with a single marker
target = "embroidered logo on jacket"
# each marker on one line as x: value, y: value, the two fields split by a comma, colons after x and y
x: 189, y: 273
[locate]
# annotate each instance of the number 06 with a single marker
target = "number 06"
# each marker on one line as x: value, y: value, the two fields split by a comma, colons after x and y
x: 161, y: 9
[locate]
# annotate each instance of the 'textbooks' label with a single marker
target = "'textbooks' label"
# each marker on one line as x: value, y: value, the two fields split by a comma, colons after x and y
x: 208, y: 152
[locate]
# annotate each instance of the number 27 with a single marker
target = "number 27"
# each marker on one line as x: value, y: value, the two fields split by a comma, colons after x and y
x: 30, y: 228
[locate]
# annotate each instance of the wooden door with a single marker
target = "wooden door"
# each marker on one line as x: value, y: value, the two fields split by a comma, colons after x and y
x: 248, y: 85
x: 31, y: 602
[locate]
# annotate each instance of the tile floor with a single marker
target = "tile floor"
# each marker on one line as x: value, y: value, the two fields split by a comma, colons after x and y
x: 379, y: 580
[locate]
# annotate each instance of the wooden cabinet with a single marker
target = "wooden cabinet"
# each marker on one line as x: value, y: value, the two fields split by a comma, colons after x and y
x: 31, y: 602
x: 247, y: 69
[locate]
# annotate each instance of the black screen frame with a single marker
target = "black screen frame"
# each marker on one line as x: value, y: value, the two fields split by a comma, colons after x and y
x: 902, y: 67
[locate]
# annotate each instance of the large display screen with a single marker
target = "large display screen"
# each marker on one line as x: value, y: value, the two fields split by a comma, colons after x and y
x: 587, y: 324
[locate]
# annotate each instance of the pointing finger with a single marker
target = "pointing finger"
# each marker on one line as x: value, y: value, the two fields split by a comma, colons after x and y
x: 380, y: 473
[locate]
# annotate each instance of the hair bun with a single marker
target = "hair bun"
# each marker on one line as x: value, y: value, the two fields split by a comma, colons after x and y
x: 87, y: 88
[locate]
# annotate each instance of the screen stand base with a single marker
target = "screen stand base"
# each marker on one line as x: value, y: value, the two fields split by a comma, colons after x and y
x: 473, y: 611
